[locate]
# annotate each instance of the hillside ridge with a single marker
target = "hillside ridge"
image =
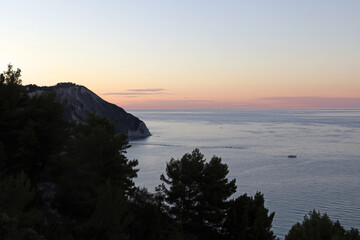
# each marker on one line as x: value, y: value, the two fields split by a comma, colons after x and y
x: 79, y: 101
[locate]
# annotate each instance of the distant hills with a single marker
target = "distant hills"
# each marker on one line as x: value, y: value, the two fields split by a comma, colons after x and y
x: 80, y: 101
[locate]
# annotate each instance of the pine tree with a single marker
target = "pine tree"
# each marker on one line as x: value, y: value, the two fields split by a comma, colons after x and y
x: 248, y: 219
x: 32, y: 129
x: 195, y: 192
x: 320, y: 227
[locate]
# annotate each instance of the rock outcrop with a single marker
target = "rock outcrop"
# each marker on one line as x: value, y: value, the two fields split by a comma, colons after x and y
x: 80, y: 101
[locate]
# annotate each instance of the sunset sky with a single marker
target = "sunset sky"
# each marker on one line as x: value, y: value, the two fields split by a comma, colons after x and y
x: 190, y: 54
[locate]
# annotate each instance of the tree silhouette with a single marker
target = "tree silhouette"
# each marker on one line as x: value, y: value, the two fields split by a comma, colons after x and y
x: 195, y: 192
x: 11, y: 76
x: 32, y: 129
x: 248, y: 219
x: 320, y: 227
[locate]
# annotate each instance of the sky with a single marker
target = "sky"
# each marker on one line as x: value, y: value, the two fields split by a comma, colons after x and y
x: 190, y: 54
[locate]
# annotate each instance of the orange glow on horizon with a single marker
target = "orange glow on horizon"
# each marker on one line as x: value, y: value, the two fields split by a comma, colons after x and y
x: 227, y: 55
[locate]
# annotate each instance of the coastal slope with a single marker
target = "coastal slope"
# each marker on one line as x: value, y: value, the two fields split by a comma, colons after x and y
x: 80, y: 101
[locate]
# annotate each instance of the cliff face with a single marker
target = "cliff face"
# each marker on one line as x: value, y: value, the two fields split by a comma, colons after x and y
x: 80, y: 101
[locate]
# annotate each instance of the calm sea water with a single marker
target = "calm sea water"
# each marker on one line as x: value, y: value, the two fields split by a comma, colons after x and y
x: 255, y: 145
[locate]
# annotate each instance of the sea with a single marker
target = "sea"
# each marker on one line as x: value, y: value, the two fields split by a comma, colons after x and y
x: 255, y: 144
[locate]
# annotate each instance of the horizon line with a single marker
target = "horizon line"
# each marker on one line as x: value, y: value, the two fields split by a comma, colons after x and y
x: 183, y: 109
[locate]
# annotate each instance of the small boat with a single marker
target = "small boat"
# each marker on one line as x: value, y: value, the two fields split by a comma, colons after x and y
x: 292, y: 156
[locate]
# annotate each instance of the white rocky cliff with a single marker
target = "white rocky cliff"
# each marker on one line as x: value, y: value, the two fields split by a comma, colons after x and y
x: 80, y: 101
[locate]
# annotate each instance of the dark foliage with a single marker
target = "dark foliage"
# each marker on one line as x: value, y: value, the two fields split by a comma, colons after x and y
x: 32, y: 130
x: 195, y: 193
x: 149, y: 222
x: 94, y: 157
x: 320, y: 227
x: 248, y: 219
x: 18, y: 216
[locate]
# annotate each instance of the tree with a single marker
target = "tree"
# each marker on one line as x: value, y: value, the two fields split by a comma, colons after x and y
x: 195, y: 192
x: 248, y: 219
x: 94, y: 156
x: 13, y: 100
x: 110, y: 217
x: 94, y: 181
x: 89, y: 176
x: 352, y: 234
x: 216, y: 189
x: 32, y: 129
x: 320, y: 227
x: 11, y: 77
x: 18, y: 216
x: 149, y: 222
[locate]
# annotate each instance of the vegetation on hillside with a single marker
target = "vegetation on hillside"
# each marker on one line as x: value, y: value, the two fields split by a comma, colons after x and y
x: 320, y: 227
x: 61, y: 180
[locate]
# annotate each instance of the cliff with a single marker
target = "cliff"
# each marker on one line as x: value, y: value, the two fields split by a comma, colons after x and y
x: 80, y: 101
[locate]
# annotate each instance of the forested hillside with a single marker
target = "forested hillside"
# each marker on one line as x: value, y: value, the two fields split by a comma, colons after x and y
x: 65, y: 180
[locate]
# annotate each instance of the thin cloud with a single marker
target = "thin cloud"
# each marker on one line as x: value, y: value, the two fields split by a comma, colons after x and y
x: 139, y: 92
x: 146, y: 90
x: 130, y: 93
